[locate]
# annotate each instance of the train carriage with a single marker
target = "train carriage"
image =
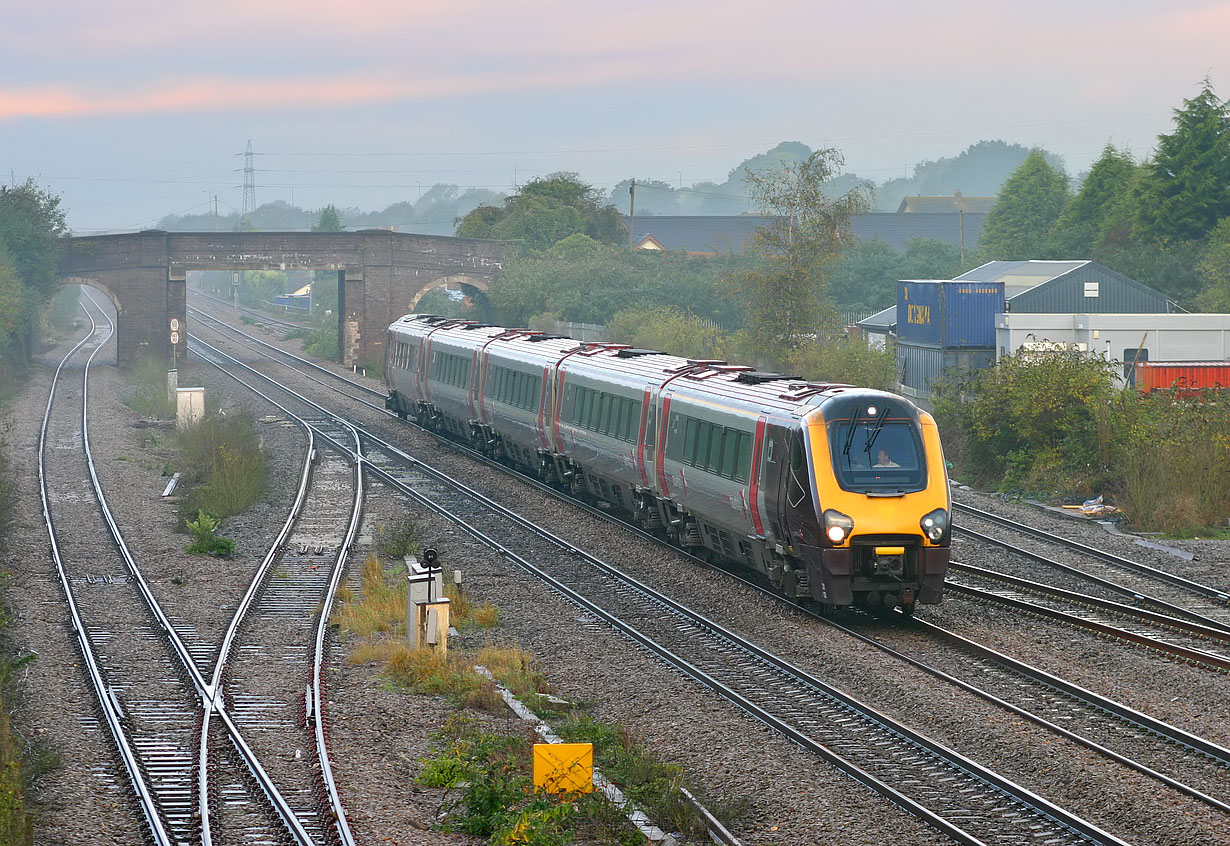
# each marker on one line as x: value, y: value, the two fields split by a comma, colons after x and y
x: 836, y: 493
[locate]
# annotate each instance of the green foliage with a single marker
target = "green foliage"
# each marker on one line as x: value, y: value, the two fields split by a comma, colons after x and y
x: 257, y: 288
x: 31, y: 228
x: 1171, y: 454
x: 399, y: 538
x: 222, y: 465
x: 329, y: 221
x: 147, y: 394
x: 1215, y: 270
x: 1054, y: 425
x: 322, y: 342
x: 8, y: 495
x: 1186, y: 190
x: 864, y: 278
x: 848, y: 360
x: 544, y: 212
x: 785, y: 296
x: 978, y: 171
x: 651, y: 783
x: 670, y: 331
x: 1019, y: 226
x: 581, y: 282
x: 1101, y: 204
x: 20, y: 767
x: 1030, y: 422
x: 205, y: 537
x: 65, y: 308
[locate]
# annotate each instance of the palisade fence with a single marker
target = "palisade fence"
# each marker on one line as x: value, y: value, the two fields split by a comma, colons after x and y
x: 597, y: 331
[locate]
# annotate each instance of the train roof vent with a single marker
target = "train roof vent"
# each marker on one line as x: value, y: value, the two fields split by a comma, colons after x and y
x: 477, y: 326
x: 759, y: 377
x: 635, y: 353
x: 547, y: 337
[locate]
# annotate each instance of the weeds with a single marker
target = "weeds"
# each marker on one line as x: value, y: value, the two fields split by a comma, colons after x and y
x: 398, y: 539
x: 148, y: 395
x: 488, y: 793
x: 205, y: 537
x: 223, y: 466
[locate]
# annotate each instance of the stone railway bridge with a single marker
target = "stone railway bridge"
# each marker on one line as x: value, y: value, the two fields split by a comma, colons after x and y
x: 381, y: 276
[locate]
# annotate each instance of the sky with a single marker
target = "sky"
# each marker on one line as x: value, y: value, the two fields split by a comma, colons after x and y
x: 134, y: 109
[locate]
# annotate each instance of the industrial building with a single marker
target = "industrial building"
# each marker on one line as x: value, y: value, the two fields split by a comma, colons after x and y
x: 948, y: 327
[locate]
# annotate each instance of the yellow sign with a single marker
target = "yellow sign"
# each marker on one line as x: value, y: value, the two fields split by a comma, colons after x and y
x: 564, y: 767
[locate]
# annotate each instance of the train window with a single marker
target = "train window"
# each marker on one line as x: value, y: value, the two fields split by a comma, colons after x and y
x: 690, y: 437
x: 743, y: 457
x: 715, y: 450
x: 730, y: 454
x: 878, y: 454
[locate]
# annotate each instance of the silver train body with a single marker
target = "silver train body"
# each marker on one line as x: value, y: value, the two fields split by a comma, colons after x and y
x: 748, y: 466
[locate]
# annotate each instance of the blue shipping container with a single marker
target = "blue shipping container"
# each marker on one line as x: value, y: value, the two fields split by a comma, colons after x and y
x: 949, y: 314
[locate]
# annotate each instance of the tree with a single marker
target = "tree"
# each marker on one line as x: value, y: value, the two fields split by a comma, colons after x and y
x: 1019, y: 226
x: 546, y: 211
x: 1215, y: 270
x: 786, y: 298
x: 979, y: 170
x: 1094, y: 211
x: 31, y: 228
x: 1186, y: 190
x: 329, y: 221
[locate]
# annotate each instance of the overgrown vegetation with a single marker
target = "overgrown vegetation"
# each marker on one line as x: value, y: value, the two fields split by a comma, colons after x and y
x: 489, y: 793
x: 148, y: 395
x: 223, y: 466
x: 205, y: 537
x: 1055, y: 425
x: 320, y: 341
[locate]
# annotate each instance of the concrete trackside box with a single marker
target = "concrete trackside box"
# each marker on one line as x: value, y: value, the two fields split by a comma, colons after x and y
x: 948, y: 314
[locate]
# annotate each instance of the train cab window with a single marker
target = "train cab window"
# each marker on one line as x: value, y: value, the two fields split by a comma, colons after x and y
x: 878, y: 454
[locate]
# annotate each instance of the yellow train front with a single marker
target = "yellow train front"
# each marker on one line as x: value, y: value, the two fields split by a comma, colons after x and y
x: 876, y: 529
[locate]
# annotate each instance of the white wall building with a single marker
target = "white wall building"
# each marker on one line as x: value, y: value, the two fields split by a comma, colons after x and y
x: 1118, y: 337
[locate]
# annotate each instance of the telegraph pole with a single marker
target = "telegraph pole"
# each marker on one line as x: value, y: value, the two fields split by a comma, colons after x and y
x: 631, y: 214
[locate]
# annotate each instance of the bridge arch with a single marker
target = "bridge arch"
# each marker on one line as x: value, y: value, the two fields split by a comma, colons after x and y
x: 380, y: 274
x: 473, y: 283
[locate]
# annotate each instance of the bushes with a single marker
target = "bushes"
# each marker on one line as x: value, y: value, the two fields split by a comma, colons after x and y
x: 223, y: 464
x: 148, y: 395
x: 1055, y: 425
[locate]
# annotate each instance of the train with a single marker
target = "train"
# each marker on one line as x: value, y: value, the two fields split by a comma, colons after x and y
x: 837, y: 494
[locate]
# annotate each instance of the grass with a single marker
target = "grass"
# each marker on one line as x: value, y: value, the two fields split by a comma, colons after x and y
x: 18, y: 769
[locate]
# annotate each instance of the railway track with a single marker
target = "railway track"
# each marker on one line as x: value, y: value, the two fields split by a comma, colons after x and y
x: 1179, y: 638
x: 1166, y: 753
x: 147, y: 668
x: 1140, y: 583
x: 956, y: 795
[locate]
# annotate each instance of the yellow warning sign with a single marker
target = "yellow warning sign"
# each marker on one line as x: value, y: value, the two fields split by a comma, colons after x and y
x: 564, y: 767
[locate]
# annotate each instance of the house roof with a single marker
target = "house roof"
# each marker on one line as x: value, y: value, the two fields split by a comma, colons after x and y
x: 946, y: 205
x: 698, y: 233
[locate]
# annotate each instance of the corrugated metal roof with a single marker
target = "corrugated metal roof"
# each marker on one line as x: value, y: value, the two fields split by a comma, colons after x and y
x: 882, y: 321
x: 1020, y: 273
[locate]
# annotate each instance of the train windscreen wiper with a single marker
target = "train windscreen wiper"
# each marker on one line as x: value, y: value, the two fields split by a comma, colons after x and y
x: 875, y: 431
x: 845, y: 449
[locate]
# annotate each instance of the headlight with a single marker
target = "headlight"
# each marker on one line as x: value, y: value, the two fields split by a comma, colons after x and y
x: 935, y: 525
x: 837, y: 526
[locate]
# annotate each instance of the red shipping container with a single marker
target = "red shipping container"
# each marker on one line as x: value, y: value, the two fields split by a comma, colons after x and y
x: 1192, y: 375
